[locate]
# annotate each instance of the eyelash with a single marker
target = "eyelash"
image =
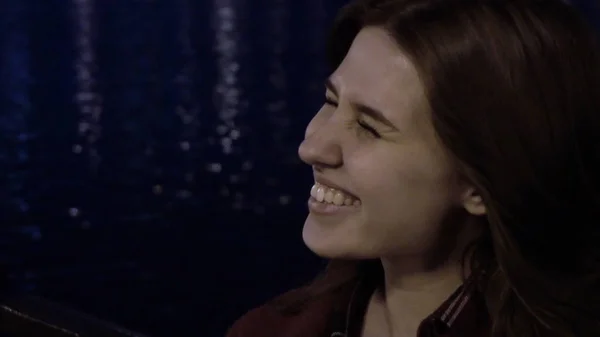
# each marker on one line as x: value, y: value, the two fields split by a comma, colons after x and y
x: 364, y: 126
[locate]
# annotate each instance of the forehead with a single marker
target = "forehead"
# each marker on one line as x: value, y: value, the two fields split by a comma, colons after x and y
x: 378, y: 73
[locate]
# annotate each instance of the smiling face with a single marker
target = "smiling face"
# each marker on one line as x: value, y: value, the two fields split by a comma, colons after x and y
x: 384, y: 184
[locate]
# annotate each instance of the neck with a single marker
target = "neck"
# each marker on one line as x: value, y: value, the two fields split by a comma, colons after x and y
x: 407, y: 299
x: 413, y: 288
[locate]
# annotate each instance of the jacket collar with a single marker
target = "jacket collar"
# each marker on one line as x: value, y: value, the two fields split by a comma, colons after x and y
x: 462, y: 314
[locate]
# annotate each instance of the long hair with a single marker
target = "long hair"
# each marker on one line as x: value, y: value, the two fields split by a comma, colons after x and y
x: 514, y: 91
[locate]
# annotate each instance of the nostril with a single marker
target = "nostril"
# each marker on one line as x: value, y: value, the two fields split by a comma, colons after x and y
x: 322, y: 149
x: 318, y: 168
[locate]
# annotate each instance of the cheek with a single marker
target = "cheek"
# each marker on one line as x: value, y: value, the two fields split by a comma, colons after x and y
x: 402, y: 177
x: 405, y: 202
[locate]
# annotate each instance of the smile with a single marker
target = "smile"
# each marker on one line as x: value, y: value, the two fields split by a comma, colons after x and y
x: 330, y: 195
x: 325, y: 199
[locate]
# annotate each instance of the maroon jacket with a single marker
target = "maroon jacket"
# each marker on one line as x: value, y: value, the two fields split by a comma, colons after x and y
x: 463, y: 314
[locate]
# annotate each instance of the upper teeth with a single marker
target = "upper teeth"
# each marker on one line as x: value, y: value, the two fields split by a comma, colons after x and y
x: 330, y: 195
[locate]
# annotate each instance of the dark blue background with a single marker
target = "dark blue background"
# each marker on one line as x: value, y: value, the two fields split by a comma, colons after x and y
x: 148, y: 154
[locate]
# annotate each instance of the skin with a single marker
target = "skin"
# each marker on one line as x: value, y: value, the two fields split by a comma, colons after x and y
x: 416, y: 214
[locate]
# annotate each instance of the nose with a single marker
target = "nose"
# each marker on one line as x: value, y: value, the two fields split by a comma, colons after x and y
x: 321, y: 146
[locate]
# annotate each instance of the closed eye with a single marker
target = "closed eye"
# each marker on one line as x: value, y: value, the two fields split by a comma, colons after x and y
x: 331, y: 102
x: 368, y: 128
x: 364, y: 125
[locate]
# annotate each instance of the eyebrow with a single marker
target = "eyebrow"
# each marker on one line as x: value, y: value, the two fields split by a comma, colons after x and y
x: 363, y: 109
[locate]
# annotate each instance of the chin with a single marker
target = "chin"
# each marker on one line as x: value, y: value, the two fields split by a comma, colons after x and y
x: 330, y: 244
x: 325, y: 251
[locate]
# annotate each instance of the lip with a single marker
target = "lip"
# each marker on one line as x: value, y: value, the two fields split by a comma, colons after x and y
x: 324, y: 181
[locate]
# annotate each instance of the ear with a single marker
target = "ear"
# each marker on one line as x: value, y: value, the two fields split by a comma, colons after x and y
x: 473, y: 202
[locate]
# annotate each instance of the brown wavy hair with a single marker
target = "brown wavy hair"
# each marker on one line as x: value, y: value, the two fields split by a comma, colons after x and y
x: 514, y: 90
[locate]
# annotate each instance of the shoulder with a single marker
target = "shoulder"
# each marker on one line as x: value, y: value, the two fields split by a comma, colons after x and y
x: 270, y: 321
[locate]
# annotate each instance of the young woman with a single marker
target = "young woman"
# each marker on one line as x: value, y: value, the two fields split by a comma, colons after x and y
x: 457, y: 176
